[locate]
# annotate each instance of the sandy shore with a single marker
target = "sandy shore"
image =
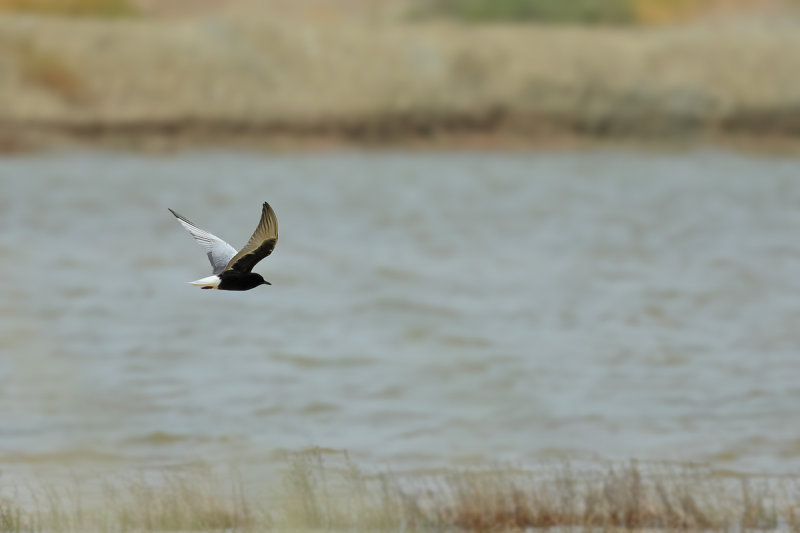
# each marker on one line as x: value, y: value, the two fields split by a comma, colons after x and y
x: 243, y: 76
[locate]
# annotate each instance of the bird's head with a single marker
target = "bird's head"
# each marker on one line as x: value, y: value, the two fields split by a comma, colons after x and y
x: 261, y: 280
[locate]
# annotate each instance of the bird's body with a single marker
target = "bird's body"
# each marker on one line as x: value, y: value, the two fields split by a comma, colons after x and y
x: 232, y: 269
x: 231, y: 280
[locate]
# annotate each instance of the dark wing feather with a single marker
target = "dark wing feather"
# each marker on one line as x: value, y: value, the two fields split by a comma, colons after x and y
x: 260, y: 244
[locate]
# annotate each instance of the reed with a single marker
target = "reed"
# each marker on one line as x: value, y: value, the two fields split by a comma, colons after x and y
x: 196, y: 501
x: 627, y: 496
x: 324, y: 490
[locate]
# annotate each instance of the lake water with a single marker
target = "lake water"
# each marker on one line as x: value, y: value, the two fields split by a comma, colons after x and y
x: 426, y: 309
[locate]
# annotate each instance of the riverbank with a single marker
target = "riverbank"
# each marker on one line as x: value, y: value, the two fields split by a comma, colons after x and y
x: 234, y: 77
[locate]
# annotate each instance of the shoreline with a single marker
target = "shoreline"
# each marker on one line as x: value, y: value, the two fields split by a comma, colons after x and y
x: 490, y: 132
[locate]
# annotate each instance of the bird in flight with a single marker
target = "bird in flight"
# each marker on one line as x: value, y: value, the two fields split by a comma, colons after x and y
x: 232, y: 269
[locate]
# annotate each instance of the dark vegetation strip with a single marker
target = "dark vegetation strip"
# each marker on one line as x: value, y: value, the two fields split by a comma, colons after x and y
x: 389, y: 128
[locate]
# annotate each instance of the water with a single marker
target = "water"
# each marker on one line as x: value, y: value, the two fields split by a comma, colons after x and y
x: 426, y: 309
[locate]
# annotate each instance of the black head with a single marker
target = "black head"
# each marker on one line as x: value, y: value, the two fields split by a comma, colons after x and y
x: 261, y: 280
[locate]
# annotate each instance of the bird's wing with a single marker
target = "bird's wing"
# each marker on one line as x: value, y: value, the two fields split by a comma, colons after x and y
x: 219, y: 252
x: 260, y: 244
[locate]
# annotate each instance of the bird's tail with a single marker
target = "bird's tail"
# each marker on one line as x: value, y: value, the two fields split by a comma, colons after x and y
x: 211, y: 282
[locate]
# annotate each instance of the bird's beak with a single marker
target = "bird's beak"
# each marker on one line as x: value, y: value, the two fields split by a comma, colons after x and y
x: 266, y: 283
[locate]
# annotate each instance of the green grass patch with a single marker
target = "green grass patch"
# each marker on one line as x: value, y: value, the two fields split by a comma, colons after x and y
x: 555, y: 11
x: 622, y: 12
x: 100, y: 8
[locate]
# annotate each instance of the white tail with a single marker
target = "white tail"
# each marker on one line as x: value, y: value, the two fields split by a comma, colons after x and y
x: 211, y: 282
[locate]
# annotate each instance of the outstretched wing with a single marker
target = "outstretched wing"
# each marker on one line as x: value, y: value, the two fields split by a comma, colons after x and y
x: 260, y: 244
x: 219, y: 252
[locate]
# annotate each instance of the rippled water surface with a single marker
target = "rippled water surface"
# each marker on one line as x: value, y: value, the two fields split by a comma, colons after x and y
x: 426, y: 309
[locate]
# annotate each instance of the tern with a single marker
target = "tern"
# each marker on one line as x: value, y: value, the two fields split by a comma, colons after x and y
x: 232, y: 270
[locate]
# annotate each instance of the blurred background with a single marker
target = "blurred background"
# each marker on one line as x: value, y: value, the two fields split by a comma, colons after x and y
x: 511, y: 231
x: 160, y: 73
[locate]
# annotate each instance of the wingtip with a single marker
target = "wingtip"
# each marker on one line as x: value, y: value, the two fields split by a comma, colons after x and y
x: 177, y: 215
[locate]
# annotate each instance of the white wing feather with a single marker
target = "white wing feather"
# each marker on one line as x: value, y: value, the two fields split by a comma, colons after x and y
x: 219, y: 252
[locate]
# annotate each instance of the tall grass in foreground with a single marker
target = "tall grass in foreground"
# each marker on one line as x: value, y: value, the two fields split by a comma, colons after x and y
x: 189, y: 502
x: 324, y: 491
x: 626, y: 496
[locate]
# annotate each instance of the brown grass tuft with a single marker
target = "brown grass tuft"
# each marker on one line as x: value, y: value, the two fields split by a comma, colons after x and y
x: 48, y: 71
x: 326, y: 493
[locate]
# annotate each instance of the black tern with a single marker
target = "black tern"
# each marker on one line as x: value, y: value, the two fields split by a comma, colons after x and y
x: 232, y: 269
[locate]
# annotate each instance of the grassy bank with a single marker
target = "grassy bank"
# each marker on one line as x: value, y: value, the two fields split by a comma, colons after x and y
x: 324, y: 491
x: 369, y: 76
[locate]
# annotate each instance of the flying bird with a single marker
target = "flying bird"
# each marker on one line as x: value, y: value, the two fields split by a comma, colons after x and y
x: 232, y: 269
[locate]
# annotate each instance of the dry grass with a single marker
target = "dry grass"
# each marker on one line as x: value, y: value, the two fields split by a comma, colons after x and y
x: 11, y: 516
x: 207, y: 504
x: 48, y: 71
x: 618, y: 497
x: 327, y: 491
x: 188, y: 502
x: 670, y: 11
